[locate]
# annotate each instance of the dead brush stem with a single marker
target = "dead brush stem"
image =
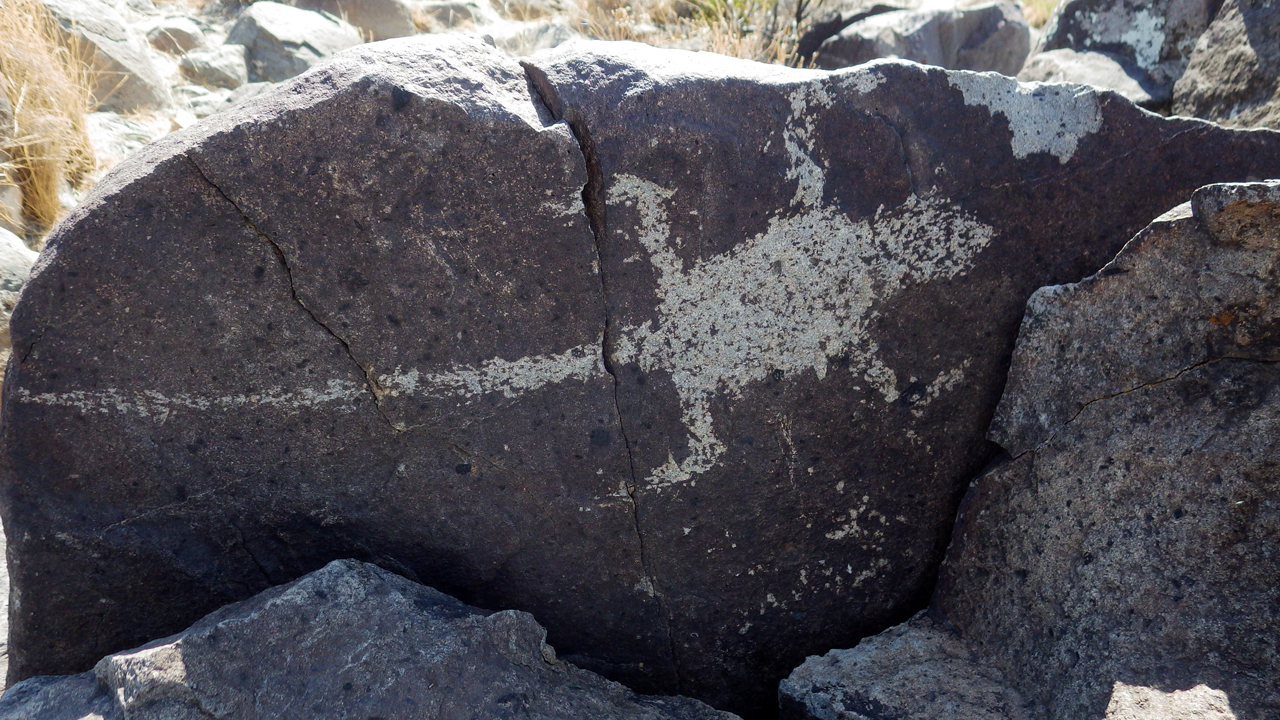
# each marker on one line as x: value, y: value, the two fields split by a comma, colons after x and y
x: 48, y: 87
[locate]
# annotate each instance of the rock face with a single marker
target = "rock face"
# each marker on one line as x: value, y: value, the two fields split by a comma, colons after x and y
x: 714, y: 420
x: 348, y: 641
x: 918, y: 670
x: 282, y: 41
x: 986, y: 38
x: 176, y: 35
x: 1152, y: 38
x: 1131, y: 536
x: 378, y: 19
x: 1234, y: 74
x: 223, y: 66
x: 16, y: 260
x: 1091, y: 68
x: 124, y: 76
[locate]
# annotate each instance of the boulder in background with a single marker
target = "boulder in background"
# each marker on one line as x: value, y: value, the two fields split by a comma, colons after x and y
x: 992, y: 37
x: 377, y: 19
x: 1098, y: 69
x: 1234, y: 74
x: 281, y: 41
x: 125, y: 77
x: 1153, y: 39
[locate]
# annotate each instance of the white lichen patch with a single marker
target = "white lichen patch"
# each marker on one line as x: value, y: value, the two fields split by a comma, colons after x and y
x: 1146, y: 36
x: 1044, y: 118
x: 850, y: 526
x: 153, y: 405
x: 945, y: 382
x: 781, y: 302
x: 861, y: 78
x: 512, y: 378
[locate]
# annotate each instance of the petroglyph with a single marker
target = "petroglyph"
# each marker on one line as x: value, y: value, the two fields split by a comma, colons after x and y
x: 512, y: 378
x: 1049, y: 118
x: 153, y: 405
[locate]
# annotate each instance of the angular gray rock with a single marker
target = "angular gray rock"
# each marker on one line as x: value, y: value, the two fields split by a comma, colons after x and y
x: 281, y: 41
x: 1234, y: 73
x: 1153, y: 39
x: 125, y: 78
x: 992, y: 37
x: 176, y: 35
x: 350, y: 640
x: 452, y: 13
x: 377, y: 19
x: 16, y: 260
x: 1130, y: 538
x: 726, y: 430
x: 919, y: 670
x: 224, y: 66
x: 1098, y: 69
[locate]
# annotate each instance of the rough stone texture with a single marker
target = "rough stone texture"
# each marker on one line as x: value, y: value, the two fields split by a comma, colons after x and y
x: 125, y: 78
x: 349, y: 641
x: 176, y: 35
x: 281, y: 41
x: 919, y: 670
x: 1131, y: 536
x: 1234, y: 74
x: 1154, y: 37
x: 377, y: 19
x: 224, y: 66
x: 986, y: 38
x: 1130, y: 702
x: 1090, y: 68
x: 345, y: 340
x: 16, y: 260
x: 765, y: 374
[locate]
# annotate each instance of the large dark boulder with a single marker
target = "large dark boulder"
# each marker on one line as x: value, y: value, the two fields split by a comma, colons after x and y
x: 347, y: 642
x: 1130, y: 537
x: 1234, y: 73
x: 714, y: 419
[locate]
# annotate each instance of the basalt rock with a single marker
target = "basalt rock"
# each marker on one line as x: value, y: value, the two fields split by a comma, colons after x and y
x: 1098, y: 69
x: 1234, y: 74
x: 1128, y: 545
x: 347, y: 642
x: 709, y: 416
x: 281, y: 41
x: 1153, y: 39
x: 919, y: 670
x: 993, y: 37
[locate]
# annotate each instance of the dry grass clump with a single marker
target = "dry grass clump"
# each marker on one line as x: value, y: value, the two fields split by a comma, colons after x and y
x: 1037, y: 12
x: 760, y: 30
x: 47, y: 86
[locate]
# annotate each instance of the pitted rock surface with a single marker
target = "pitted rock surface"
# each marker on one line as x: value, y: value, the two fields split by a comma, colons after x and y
x: 1127, y: 548
x: 714, y: 419
x: 350, y: 641
x: 1233, y: 76
x: 919, y: 670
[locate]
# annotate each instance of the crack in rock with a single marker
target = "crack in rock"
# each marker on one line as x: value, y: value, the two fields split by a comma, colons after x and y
x: 371, y: 381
